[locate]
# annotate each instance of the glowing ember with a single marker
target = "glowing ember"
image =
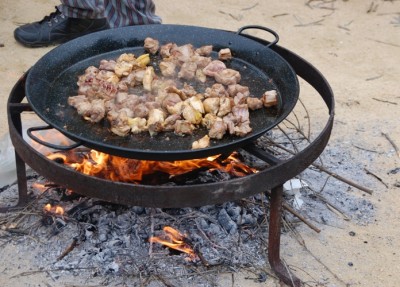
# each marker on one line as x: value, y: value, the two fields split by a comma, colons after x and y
x: 131, y: 170
x: 39, y: 186
x: 175, y: 240
x: 58, y: 210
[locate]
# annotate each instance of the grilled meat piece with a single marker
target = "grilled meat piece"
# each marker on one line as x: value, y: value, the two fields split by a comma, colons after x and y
x: 225, y: 54
x: 137, y: 125
x: 188, y: 70
x: 201, y: 143
x: 270, y: 98
x: 254, y: 103
x: 204, y: 50
x: 119, y: 122
x: 151, y: 45
x: 227, y: 77
x: 218, y: 129
x: 212, y: 68
x: 168, y: 69
x: 184, y: 127
x: 155, y: 121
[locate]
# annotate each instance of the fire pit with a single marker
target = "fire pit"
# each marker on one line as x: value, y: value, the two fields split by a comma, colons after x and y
x: 271, y: 178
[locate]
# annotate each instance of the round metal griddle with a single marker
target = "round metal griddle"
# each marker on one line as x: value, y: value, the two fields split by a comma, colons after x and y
x: 53, y: 79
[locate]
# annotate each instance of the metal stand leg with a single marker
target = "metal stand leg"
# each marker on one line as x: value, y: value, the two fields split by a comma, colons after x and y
x: 274, y: 240
x: 20, y: 164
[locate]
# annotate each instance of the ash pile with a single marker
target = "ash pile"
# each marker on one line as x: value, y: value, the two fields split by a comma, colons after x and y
x: 95, y: 240
x: 78, y: 236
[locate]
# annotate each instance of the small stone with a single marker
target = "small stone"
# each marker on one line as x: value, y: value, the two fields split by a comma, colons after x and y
x: 352, y: 233
x: 350, y: 264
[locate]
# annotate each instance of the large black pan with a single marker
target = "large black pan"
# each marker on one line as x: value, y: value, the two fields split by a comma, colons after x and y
x: 53, y: 79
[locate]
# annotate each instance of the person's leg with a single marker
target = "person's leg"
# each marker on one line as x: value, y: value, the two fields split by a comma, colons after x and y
x: 70, y: 20
x: 121, y: 13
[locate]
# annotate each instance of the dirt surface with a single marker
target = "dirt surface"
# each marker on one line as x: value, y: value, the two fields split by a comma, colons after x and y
x: 356, y: 46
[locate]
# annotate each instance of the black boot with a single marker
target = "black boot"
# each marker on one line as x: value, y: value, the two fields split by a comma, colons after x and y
x: 55, y: 29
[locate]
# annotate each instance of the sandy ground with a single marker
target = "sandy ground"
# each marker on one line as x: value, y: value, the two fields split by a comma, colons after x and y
x: 356, y: 45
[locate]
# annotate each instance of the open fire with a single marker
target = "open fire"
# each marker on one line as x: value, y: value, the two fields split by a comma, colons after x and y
x: 131, y: 170
x: 173, y: 239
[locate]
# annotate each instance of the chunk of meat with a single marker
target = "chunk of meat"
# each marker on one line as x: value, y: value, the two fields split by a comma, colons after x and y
x: 201, y: 143
x: 254, y: 103
x: 216, y: 90
x: 148, y: 77
x: 237, y: 88
x: 188, y: 70
x: 168, y: 69
x: 211, y: 105
x: 184, y: 127
x: 170, y: 121
x: 170, y: 100
x: 165, y: 50
x: 204, y: 50
x: 218, y: 129
x: 225, y: 54
x: 270, y: 98
x: 225, y: 106
x: 151, y: 45
x: 214, y: 67
x: 119, y: 123
x: 208, y: 120
x: 137, y: 125
x: 182, y: 53
x: 190, y: 114
x: 108, y: 65
x: 155, y: 121
x: 227, y: 77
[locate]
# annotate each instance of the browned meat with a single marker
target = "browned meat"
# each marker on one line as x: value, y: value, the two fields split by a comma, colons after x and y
x: 169, y: 123
x: 211, y: 105
x: 227, y: 77
x: 184, y: 127
x: 170, y: 100
x: 241, y: 113
x: 270, y: 98
x: 137, y: 125
x: 212, y: 68
x: 107, y: 65
x: 237, y: 88
x: 188, y: 90
x: 225, y: 106
x: 119, y: 122
x: 182, y: 53
x: 148, y: 77
x: 140, y: 111
x: 190, y: 114
x: 155, y: 121
x: 167, y: 68
x: 254, y: 103
x: 225, y: 54
x: 239, y: 99
x: 208, y: 120
x: 204, y: 50
x: 188, y: 70
x: 200, y: 76
x: 216, y: 90
x: 217, y: 129
x: 201, y: 61
x: 201, y: 143
x: 151, y: 45
x: 165, y: 50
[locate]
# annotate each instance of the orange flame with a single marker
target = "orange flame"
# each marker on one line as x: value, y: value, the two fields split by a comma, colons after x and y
x: 58, y: 210
x: 132, y: 170
x: 175, y: 240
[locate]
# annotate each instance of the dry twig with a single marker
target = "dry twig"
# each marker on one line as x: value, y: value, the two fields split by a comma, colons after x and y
x: 392, y: 143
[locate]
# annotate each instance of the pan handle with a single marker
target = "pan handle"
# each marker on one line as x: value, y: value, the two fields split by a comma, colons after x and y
x: 261, y: 28
x: 30, y: 131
